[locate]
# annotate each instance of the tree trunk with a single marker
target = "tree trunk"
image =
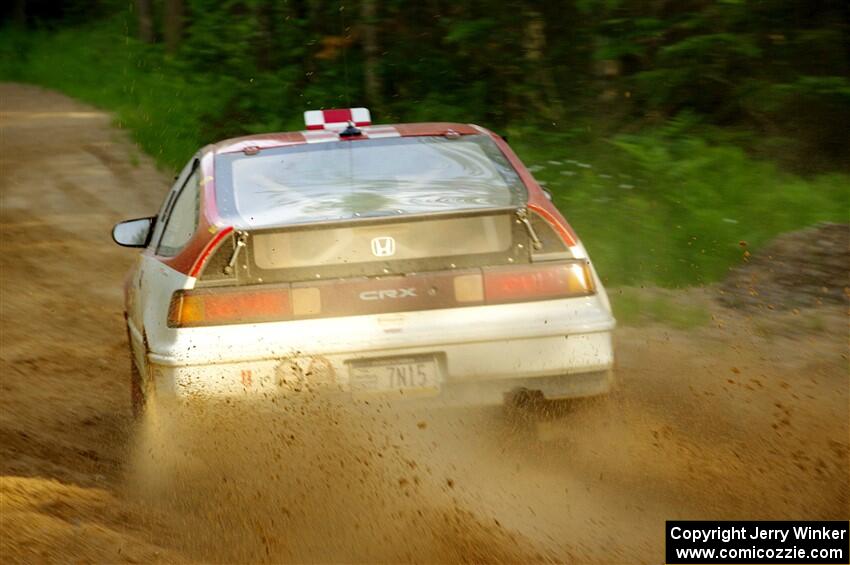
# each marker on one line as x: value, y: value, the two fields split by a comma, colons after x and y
x: 264, y: 14
x: 173, y: 24
x: 144, y: 10
x: 371, y: 65
x: 19, y: 14
x: 544, y: 94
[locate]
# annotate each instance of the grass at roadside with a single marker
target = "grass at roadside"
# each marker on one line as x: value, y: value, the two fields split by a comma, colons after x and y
x: 639, y: 307
x: 670, y: 209
x: 662, y: 207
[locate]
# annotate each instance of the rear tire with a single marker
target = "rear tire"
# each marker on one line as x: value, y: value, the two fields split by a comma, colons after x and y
x: 558, y: 401
x: 523, y: 407
x: 543, y: 420
x: 533, y: 403
x: 137, y: 391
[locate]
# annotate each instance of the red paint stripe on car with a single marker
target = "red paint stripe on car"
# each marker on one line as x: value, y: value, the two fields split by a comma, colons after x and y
x: 553, y: 221
x: 196, y: 268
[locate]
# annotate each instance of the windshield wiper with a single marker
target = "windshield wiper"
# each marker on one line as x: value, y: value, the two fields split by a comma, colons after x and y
x: 241, y: 241
x: 522, y: 215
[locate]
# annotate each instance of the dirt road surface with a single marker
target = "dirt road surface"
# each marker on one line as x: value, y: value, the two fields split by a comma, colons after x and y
x: 744, y: 418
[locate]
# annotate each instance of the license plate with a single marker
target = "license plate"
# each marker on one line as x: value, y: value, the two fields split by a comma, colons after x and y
x: 414, y: 375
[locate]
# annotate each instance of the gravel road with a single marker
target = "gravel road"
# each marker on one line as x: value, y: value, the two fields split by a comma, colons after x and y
x: 743, y: 418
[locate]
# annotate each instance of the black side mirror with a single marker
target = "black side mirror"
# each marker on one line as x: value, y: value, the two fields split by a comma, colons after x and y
x: 133, y: 233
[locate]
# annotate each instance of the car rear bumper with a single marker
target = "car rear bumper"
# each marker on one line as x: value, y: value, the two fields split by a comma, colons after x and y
x: 478, y: 373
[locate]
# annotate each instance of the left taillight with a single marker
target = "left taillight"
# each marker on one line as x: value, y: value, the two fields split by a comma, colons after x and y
x: 206, y: 307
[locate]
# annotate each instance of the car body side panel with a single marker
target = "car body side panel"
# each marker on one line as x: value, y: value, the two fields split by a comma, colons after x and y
x: 133, y: 313
x: 155, y: 282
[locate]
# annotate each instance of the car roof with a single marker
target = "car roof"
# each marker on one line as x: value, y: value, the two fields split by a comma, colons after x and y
x: 281, y: 139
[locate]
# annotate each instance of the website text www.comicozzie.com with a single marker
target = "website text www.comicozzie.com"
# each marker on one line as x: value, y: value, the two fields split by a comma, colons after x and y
x: 757, y: 542
x: 754, y: 552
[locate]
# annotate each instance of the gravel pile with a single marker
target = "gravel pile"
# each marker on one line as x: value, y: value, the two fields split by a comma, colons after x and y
x: 798, y: 269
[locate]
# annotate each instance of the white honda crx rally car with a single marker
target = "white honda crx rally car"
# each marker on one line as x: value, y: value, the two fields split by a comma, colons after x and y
x: 412, y: 259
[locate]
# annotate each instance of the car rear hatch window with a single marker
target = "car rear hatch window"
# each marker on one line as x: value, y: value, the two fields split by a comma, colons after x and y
x: 336, y: 181
x: 382, y: 247
x: 399, y: 241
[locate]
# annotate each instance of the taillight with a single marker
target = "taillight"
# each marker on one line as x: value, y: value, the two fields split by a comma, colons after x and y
x: 537, y: 282
x: 209, y: 307
x: 424, y: 291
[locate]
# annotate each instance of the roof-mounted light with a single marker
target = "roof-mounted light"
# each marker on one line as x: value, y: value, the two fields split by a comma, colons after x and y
x: 337, y: 119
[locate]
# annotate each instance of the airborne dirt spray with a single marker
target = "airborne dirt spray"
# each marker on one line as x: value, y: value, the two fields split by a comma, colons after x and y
x: 308, y: 478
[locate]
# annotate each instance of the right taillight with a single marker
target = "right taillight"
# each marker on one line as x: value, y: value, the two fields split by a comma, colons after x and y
x: 537, y: 282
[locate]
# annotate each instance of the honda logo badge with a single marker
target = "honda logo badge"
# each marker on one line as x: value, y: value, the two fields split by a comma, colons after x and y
x: 383, y: 247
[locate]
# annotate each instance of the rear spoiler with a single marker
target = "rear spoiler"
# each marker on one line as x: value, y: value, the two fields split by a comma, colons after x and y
x: 376, y: 220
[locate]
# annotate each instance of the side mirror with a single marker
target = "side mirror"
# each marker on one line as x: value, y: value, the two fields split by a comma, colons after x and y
x: 133, y: 233
x: 547, y: 192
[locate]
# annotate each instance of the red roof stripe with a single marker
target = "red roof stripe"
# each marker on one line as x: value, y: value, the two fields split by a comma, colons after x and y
x: 337, y: 115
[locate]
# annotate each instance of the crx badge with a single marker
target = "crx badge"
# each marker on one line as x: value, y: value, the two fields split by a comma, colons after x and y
x: 388, y: 293
x: 383, y: 247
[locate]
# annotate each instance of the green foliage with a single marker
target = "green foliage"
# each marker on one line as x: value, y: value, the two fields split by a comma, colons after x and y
x: 837, y: 88
x: 666, y: 203
x: 668, y: 208
x: 778, y: 67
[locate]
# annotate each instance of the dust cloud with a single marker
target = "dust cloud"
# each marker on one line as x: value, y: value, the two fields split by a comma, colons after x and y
x: 313, y: 478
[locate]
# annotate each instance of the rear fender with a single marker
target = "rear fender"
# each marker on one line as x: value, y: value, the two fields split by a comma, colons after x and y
x: 159, y: 282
